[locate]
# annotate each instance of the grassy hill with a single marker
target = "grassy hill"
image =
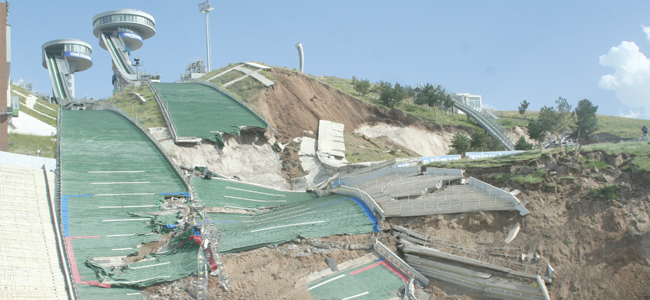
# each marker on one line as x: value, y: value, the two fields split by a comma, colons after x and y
x: 40, y: 111
x: 146, y: 113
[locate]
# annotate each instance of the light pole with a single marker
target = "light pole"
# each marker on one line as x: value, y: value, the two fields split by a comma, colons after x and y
x: 205, y: 8
x: 137, y: 69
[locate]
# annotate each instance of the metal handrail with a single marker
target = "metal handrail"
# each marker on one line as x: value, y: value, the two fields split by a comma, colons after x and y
x: 496, y: 131
x: 231, y: 95
x: 163, y: 109
x: 363, y: 196
x: 74, y: 294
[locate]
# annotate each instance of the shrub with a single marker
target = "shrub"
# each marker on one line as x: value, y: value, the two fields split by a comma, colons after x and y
x: 522, y: 144
x: 608, y: 192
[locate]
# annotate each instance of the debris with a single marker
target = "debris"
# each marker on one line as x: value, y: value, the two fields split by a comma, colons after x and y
x: 512, y: 234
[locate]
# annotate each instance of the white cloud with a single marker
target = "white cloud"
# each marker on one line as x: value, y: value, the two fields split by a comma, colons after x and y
x: 646, y: 29
x: 631, y: 79
x: 488, y: 106
x: 632, y: 114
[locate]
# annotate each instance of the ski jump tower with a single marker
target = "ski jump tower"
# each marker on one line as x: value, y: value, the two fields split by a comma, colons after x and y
x: 120, y: 32
x: 62, y: 58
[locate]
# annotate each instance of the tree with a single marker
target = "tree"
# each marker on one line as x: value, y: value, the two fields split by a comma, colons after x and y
x: 586, y: 121
x: 389, y: 95
x: 536, y: 131
x: 385, y: 90
x: 522, y: 144
x: 549, y: 119
x: 460, y: 143
x: 361, y: 86
x: 433, y: 96
x: 564, y: 114
x: 523, y: 107
x: 479, y: 139
x: 399, y: 93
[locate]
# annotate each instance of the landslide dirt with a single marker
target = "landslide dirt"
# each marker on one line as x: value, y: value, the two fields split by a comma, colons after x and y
x: 599, y: 247
x: 297, y: 102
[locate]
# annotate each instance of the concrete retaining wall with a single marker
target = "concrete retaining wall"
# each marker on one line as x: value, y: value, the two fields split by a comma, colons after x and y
x: 499, y: 193
x: 358, y: 179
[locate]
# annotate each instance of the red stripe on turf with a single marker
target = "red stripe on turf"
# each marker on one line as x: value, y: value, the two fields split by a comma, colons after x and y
x: 392, y: 269
x: 97, y: 283
x: 85, y: 237
x: 73, y: 261
x: 366, y: 268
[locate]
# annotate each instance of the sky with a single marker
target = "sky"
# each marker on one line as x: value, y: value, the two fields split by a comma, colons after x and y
x: 506, y: 51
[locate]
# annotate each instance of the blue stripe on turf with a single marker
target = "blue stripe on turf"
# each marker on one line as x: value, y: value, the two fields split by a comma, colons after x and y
x: 368, y: 212
x: 181, y: 193
x: 64, y: 213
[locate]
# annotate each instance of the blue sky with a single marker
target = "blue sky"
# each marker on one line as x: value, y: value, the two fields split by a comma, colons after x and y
x: 506, y: 51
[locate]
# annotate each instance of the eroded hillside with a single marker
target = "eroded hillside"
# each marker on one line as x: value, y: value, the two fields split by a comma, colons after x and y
x: 297, y: 102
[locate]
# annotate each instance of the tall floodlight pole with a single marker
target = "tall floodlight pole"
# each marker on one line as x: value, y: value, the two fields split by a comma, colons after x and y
x: 205, y: 8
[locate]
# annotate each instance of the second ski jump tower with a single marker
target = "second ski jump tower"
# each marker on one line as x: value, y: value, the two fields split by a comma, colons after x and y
x: 120, y: 32
x: 62, y: 58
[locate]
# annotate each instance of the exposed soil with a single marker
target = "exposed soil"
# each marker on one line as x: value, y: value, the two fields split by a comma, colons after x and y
x: 598, y: 247
x: 248, y: 157
x: 297, y: 102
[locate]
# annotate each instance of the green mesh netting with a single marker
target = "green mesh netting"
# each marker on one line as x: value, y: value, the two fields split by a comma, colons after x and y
x: 320, y: 217
x: 373, y: 284
x: 200, y: 111
x: 171, y: 264
x: 229, y: 193
x: 111, y: 173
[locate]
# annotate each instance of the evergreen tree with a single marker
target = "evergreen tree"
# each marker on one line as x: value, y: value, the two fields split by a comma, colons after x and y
x: 586, y: 120
x: 479, y: 140
x: 523, y: 107
x: 460, y: 143
x: 522, y: 144
x: 536, y: 131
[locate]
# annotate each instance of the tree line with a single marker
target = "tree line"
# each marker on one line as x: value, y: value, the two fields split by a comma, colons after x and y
x: 557, y: 120
x: 391, y: 95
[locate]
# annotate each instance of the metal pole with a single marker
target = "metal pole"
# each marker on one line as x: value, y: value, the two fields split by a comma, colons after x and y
x: 207, y: 37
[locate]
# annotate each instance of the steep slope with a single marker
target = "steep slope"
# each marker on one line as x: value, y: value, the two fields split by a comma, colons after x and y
x: 296, y: 102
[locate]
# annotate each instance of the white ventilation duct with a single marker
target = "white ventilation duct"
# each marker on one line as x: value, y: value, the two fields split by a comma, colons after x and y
x: 302, y: 56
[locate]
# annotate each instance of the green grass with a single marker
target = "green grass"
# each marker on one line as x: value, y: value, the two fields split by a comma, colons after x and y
x: 607, y: 192
x: 358, y: 149
x: 640, y: 162
x: 228, y: 77
x: 618, y: 126
x: 28, y: 144
x: 599, y: 164
x: 622, y: 127
x: 499, y: 161
x: 217, y: 71
x: 50, y: 105
x: 639, y: 150
x: 534, y: 177
x: 26, y: 110
x: 147, y: 114
x: 424, y: 113
x: 510, y: 122
x: 49, y: 112
x: 268, y: 75
x: 20, y: 90
x: 246, y: 87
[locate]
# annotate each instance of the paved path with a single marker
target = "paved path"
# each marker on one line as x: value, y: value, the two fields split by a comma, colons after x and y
x: 253, y: 74
x: 29, y: 263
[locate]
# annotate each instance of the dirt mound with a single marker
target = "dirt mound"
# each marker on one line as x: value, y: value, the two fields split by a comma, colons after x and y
x: 297, y: 102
